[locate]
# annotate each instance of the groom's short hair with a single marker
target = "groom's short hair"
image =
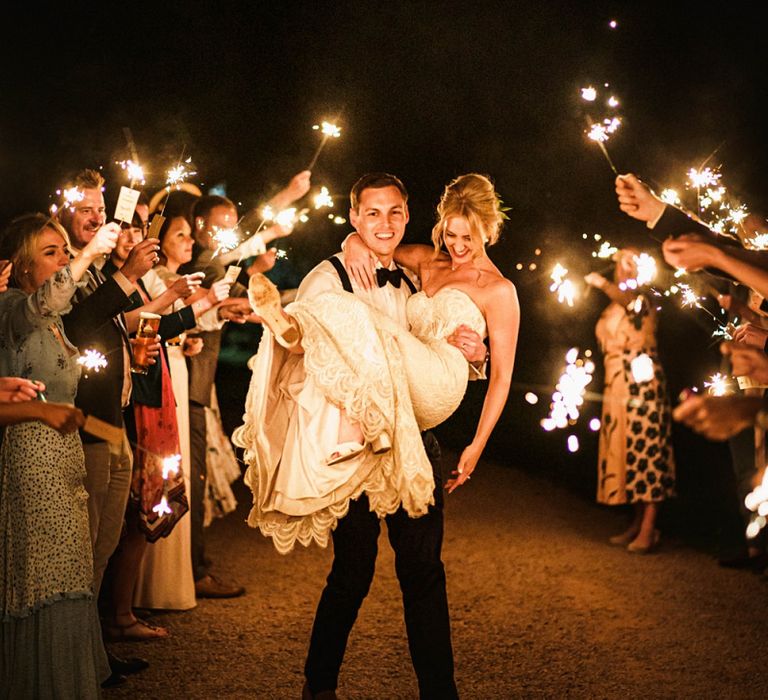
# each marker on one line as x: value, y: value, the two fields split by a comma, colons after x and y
x: 375, y: 181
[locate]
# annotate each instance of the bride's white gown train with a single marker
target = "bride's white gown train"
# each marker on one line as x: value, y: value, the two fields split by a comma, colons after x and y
x: 386, y: 379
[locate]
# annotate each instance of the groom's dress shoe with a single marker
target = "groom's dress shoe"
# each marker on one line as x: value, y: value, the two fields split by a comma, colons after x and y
x: 307, y: 694
x: 126, y: 667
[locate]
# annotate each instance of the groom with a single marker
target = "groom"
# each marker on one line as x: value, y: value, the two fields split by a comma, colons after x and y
x: 379, y: 214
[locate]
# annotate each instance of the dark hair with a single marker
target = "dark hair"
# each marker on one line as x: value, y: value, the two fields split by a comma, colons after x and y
x: 375, y: 181
x: 179, y: 203
x: 207, y: 203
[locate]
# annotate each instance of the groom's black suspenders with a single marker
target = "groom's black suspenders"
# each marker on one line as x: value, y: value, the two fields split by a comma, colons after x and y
x: 346, y: 283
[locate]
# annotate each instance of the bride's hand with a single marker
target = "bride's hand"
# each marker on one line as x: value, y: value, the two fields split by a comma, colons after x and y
x: 465, y: 467
x: 359, y: 261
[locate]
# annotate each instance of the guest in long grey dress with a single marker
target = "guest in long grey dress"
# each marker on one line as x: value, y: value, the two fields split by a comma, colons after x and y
x: 50, y: 639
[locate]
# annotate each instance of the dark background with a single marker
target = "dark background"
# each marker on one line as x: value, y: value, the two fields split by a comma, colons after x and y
x: 428, y: 91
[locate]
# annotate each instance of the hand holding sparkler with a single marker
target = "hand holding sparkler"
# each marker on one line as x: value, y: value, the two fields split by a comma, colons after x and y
x: 187, y: 285
x: 297, y: 187
x: 690, y: 252
x: 750, y: 334
x: 263, y: 263
x: 16, y: 389
x: 219, y: 291
x: 141, y: 259
x: 718, y: 417
x: 103, y: 241
x: 747, y: 361
x: 637, y: 200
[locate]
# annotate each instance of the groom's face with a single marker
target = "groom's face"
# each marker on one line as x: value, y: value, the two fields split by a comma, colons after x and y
x: 380, y: 219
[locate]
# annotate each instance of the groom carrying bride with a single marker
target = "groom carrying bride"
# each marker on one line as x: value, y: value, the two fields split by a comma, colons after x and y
x: 310, y: 431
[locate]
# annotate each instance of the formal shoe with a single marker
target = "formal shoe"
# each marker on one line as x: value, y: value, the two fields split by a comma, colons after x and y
x: 113, y: 680
x: 126, y: 667
x: 307, y: 694
x: 265, y: 301
x: 136, y: 631
x: 635, y: 548
x: 210, y: 587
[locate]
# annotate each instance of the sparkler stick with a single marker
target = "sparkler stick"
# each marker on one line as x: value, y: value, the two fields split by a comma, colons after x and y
x: 598, y: 133
x: 329, y: 131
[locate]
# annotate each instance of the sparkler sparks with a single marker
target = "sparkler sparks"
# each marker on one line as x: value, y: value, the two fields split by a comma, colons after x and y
x: 328, y: 129
x: 646, y: 268
x: 705, y: 177
x: 565, y: 289
x: 134, y: 171
x: 718, y: 385
x: 670, y: 196
x: 757, y: 502
x: 179, y: 173
x: 589, y: 94
x: 323, y: 199
x: 92, y: 361
x: 569, y: 391
x: 226, y: 239
x: 606, y: 251
x: 602, y: 131
x: 71, y: 196
x: 758, y: 242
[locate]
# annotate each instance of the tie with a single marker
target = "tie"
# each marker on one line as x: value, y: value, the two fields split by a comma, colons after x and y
x: 393, y: 277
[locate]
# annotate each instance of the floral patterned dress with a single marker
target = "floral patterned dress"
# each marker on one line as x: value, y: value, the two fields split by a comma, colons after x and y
x: 635, y: 460
x: 50, y: 639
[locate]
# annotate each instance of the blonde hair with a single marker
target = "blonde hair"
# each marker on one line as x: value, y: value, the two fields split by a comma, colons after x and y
x: 19, y: 241
x: 471, y: 197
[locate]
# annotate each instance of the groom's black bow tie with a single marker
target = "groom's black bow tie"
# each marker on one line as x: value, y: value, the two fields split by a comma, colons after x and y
x: 393, y: 277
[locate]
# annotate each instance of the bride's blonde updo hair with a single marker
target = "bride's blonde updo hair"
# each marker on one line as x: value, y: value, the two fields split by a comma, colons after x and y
x: 472, y: 197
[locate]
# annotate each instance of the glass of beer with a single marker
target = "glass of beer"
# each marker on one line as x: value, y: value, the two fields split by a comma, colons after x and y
x: 145, y: 336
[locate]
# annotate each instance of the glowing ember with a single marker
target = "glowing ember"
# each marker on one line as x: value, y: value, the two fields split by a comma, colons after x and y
x: 602, y: 132
x: 606, y: 251
x: 92, y: 361
x: 757, y: 502
x: 759, y: 241
x: 323, y: 199
x: 594, y: 424
x: 573, y: 443
x: 531, y: 398
x: 642, y: 368
x: 589, y: 94
x: 703, y: 178
x: 613, y: 102
x: 565, y: 289
x: 179, y: 173
x: 338, y: 220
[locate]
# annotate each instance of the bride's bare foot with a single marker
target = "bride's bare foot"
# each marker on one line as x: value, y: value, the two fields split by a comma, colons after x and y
x: 625, y: 537
x: 265, y: 301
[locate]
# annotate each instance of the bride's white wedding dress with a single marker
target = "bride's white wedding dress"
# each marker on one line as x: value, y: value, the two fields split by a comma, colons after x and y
x: 386, y: 379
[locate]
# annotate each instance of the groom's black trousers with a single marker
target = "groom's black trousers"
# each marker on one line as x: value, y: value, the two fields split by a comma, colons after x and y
x: 417, y: 543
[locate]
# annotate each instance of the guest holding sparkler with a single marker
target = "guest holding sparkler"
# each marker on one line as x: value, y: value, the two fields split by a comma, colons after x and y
x: 635, y: 461
x: 50, y: 643
x: 212, y: 216
x: 157, y: 498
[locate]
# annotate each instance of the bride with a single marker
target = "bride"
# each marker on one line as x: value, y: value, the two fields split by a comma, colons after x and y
x: 385, y: 383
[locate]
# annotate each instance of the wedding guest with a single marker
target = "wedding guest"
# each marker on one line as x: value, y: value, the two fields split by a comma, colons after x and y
x: 636, y: 464
x: 50, y: 643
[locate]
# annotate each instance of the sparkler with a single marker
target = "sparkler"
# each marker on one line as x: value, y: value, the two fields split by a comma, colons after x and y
x: 92, y: 361
x: 162, y: 508
x: 646, y: 269
x: 601, y: 131
x: 328, y: 131
x: 566, y: 290
x: 134, y: 171
x: 179, y: 173
x: 757, y: 502
x: 670, y: 196
x: 71, y: 196
x: 718, y: 385
x: 323, y: 199
x: 642, y: 368
x: 569, y: 391
x: 226, y: 239
x: 606, y: 251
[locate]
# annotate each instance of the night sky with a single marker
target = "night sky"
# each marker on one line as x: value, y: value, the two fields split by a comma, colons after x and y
x: 425, y: 90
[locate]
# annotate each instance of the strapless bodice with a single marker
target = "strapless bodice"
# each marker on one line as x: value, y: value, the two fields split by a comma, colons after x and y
x: 435, y: 317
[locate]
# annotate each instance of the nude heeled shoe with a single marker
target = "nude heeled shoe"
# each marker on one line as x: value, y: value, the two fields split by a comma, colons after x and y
x: 264, y: 298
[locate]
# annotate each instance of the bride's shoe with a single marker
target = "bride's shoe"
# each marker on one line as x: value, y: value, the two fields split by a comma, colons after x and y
x: 265, y: 301
x: 348, y: 450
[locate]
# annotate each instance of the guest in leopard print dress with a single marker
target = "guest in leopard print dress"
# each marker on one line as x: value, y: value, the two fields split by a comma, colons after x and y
x: 635, y: 463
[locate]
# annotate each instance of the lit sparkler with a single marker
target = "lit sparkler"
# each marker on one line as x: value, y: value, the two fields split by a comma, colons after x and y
x: 92, y: 361
x: 179, y: 173
x: 757, y: 502
x: 564, y: 287
x: 589, y: 94
x: 328, y: 131
x: 134, y: 171
x: 606, y: 251
x: 71, y: 196
x: 718, y: 385
x: 642, y: 368
x: 758, y: 242
x: 670, y: 196
x: 646, y: 268
x: 569, y: 391
x: 226, y: 239
x: 323, y: 199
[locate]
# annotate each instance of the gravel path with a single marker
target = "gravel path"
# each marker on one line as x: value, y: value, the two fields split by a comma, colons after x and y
x: 540, y: 606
